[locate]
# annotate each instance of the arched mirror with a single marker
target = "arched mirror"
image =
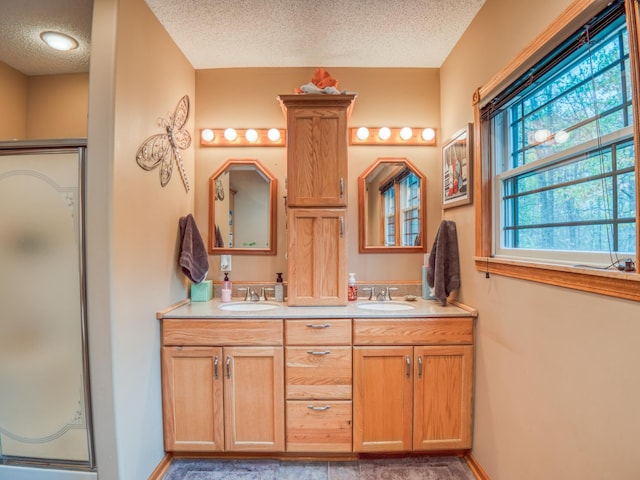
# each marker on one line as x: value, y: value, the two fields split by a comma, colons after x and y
x: 391, y: 207
x: 242, y: 209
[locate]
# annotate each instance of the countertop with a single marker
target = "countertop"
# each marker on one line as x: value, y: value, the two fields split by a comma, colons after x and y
x: 421, y: 308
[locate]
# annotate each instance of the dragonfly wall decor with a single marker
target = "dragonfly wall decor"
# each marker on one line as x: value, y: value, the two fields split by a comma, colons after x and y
x: 162, y: 149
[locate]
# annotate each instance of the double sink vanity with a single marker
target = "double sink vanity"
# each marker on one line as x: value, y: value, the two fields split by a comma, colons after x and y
x: 371, y: 376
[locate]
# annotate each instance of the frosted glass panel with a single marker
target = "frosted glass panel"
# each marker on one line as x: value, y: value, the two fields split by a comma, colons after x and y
x: 42, y: 394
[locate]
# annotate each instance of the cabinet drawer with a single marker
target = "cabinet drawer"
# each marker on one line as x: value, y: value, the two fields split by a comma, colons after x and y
x: 318, y: 372
x: 221, y: 332
x: 318, y: 331
x: 413, y: 331
x: 319, y: 426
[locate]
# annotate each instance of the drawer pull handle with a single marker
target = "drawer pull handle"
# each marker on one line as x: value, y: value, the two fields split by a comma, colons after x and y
x: 215, y: 367
x: 228, y: 364
x: 318, y: 409
x: 318, y: 325
x: 314, y: 352
x: 408, y: 360
x: 341, y: 187
x: 420, y: 366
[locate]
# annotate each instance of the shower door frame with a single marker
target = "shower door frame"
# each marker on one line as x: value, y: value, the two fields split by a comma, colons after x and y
x: 79, y: 147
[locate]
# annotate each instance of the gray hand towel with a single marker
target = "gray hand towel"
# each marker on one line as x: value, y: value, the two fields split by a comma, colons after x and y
x: 444, y: 263
x: 194, y: 259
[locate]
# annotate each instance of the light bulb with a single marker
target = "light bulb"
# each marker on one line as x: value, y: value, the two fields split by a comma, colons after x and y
x: 406, y: 133
x: 362, y: 133
x: 251, y: 135
x: 230, y: 134
x: 561, y: 136
x: 273, y: 134
x: 208, y: 135
x: 384, y: 133
x: 428, y: 134
x: 541, y: 135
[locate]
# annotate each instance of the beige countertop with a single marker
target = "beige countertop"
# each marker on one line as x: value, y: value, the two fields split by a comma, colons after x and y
x: 418, y: 308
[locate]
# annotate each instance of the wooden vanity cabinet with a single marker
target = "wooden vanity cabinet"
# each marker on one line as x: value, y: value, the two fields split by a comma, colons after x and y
x: 223, y: 385
x: 317, y: 149
x: 317, y: 266
x: 318, y: 376
x: 317, y: 175
x: 412, y: 384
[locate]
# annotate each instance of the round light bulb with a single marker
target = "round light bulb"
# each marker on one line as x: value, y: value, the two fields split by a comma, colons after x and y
x: 541, y: 135
x: 208, y: 135
x: 273, y: 134
x: 406, y: 133
x: 384, y: 133
x: 230, y: 134
x: 59, y: 41
x: 561, y: 136
x: 362, y: 133
x: 251, y: 135
x: 428, y: 134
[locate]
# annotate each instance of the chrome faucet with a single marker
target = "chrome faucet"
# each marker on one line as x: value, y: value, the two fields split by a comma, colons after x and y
x: 252, y: 296
x: 383, y: 295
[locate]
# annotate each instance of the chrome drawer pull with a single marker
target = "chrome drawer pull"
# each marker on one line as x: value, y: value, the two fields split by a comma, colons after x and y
x: 408, y: 360
x: 215, y: 367
x: 312, y: 352
x: 320, y: 325
x: 228, y: 364
x: 318, y: 409
x: 420, y: 366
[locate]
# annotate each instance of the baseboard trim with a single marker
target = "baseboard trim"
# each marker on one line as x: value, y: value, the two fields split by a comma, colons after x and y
x: 162, y: 467
x: 476, y: 468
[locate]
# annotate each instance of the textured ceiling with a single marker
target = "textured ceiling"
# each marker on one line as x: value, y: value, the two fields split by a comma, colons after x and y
x: 22, y: 21
x: 253, y: 33
x: 305, y: 33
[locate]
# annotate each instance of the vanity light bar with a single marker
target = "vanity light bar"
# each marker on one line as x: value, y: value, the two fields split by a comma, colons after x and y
x: 408, y: 136
x: 243, y: 137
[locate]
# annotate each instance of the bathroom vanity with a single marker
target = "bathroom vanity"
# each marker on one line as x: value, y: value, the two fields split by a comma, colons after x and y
x: 325, y: 380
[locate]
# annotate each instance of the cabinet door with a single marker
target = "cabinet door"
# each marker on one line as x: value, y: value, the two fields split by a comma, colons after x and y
x: 317, y: 156
x: 316, y: 252
x: 254, y: 398
x: 382, y: 401
x: 192, y: 399
x: 442, y: 391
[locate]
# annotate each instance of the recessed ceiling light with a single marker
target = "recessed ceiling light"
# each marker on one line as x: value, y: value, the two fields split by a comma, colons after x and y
x: 59, y: 41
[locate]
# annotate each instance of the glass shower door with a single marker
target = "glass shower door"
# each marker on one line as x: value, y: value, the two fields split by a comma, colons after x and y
x: 44, y: 404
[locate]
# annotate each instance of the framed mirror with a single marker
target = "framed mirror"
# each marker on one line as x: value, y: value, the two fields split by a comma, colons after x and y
x: 392, y: 195
x: 242, y: 209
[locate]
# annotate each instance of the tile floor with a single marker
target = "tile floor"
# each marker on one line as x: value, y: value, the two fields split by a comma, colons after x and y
x: 411, y: 468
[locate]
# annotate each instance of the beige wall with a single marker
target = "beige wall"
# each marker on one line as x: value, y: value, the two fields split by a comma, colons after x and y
x: 57, y: 106
x: 247, y: 98
x: 46, y: 106
x: 557, y: 388
x: 13, y: 102
x: 138, y: 75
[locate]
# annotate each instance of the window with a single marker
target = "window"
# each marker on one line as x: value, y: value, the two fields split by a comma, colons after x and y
x: 401, y: 205
x: 558, y: 159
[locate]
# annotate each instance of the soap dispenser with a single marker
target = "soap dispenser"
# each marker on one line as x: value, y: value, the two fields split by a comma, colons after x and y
x: 352, y: 293
x: 226, y: 288
x: 279, y: 289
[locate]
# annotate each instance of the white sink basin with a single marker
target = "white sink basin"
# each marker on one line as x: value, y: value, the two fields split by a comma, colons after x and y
x: 385, y: 306
x: 247, y: 306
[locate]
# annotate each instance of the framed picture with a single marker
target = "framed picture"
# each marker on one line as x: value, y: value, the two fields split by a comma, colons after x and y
x: 457, y: 169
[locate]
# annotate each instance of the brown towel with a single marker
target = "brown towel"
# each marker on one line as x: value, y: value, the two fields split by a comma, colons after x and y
x: 194, y: 259
x: 444, y: 263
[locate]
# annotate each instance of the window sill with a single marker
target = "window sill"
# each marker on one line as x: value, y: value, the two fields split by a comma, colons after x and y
x: 604, y: 282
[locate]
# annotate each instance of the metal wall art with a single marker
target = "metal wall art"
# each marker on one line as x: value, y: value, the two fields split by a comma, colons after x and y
x: 162, y: 148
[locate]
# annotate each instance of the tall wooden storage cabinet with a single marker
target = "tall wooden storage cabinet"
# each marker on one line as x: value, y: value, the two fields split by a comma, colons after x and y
x: 317, y: 177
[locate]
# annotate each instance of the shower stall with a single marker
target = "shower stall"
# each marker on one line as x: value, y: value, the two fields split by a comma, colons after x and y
x: 45, y: 414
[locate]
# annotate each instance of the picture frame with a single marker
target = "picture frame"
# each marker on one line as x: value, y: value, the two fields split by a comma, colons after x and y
x: 457, y: 168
